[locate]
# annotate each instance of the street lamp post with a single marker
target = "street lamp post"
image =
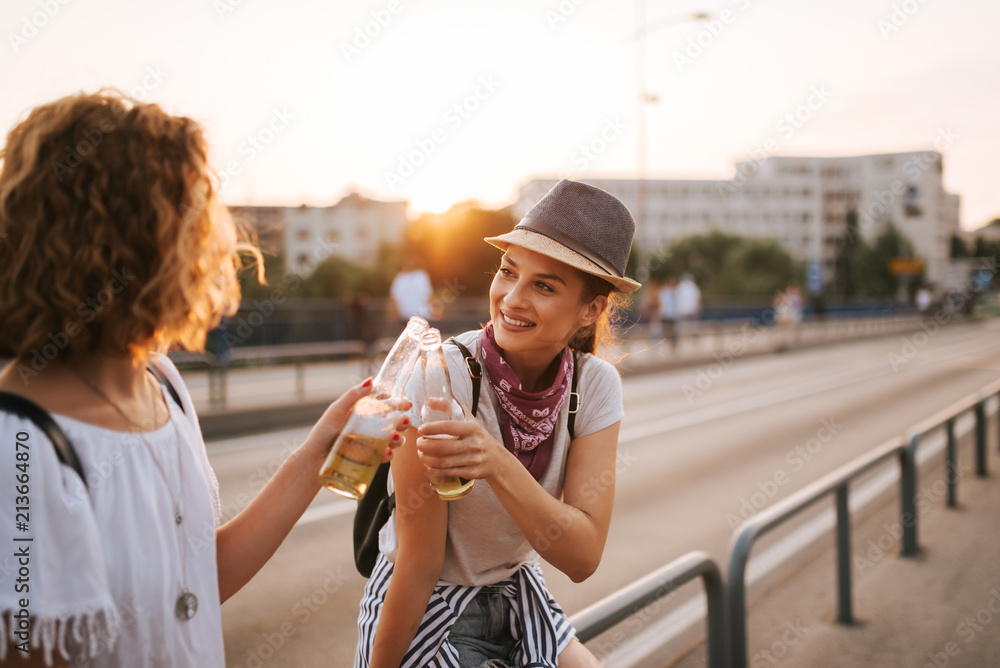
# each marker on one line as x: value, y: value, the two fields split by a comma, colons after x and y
x: 642, y: 98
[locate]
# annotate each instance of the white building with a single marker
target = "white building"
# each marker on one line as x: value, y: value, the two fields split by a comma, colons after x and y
x: 801, y: 202
x: 353, y: 228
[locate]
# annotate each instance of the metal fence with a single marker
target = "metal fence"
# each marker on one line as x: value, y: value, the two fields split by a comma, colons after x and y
x: 838, y: 484
x: 627, y: 601
x: 726, y: 620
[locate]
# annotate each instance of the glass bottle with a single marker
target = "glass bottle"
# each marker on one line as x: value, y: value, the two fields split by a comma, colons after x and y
x: 440, y: 404
x: 356, y: 454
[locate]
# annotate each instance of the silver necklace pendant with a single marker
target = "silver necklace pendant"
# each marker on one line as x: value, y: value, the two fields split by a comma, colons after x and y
x: 187, y: 605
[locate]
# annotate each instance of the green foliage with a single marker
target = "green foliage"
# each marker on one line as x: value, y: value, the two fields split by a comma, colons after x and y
x: 958, y: 247
x: 728, y: 266
x: 985, y: 248
x: 868, y: 265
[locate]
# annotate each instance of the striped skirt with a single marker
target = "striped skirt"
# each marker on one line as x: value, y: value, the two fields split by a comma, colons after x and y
x: 538, y: 624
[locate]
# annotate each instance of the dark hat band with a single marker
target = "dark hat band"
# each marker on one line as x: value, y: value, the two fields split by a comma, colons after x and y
x: 535, y: 225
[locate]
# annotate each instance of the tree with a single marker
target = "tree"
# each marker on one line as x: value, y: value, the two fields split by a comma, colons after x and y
x: 452, y: 248
x: 873, y: 274
x: 728, y: 266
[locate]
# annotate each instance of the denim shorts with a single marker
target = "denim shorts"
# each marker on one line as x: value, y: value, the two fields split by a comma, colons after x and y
x: 481, y: 634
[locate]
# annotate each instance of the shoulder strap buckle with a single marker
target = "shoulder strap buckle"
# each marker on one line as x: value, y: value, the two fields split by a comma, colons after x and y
x: 574, y: 403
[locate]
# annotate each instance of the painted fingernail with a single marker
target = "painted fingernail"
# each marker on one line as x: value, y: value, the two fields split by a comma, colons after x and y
x: 396, y: 438
x: 367, y: 383
x: 406, y: 422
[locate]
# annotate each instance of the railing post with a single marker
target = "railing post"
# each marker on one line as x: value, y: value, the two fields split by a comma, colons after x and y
x: 715, y: 594
x: 300, y: 379
x: 737, y: 611
x: 951, y: 464
x: 997, y: 395
x: 846, y: 614
x: 981, y: 438
x: 907, y: 496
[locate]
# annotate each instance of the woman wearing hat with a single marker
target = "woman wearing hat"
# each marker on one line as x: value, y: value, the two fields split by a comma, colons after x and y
x: 459, y: 583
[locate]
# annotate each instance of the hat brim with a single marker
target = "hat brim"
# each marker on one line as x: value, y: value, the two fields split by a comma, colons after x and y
x: 535, y: 241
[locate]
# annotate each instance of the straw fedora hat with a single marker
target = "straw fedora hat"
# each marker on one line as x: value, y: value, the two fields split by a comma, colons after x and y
x: 582, y: 226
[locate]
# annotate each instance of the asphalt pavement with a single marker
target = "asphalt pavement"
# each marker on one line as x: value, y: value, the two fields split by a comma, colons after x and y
x: 937, y: 609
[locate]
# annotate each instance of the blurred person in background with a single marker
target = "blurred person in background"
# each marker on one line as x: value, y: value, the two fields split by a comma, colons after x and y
x: 668, y: 309
x: 410, y: 293
x: 688, y: 300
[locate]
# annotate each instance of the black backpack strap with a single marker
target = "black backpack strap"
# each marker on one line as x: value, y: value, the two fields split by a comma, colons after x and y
x: 18, y: 405
x: 165, y: 383
x: 574, y: 397
x: 475, y: 372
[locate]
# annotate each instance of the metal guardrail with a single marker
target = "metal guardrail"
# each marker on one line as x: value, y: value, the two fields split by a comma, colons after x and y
x: 837, y: 483
x: 946, y: 418
x: 627, y: 601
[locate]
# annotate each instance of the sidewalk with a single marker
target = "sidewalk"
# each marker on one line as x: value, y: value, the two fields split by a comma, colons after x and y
x: 939, y: 609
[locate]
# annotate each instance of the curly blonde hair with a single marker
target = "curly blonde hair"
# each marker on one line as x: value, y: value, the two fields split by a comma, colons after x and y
x: 111, y: 237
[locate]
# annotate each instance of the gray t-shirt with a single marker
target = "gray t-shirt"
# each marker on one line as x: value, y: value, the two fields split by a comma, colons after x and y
x: 484, y: 545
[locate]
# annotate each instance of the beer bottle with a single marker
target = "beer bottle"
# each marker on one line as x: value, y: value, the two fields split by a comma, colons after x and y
x: 440, y: 404
x: 350, y: 467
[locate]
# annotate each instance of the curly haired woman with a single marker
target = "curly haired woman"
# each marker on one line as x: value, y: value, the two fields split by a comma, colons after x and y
x: 113, y: 248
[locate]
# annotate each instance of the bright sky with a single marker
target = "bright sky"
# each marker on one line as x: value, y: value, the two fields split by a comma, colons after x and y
x: 445, y: 100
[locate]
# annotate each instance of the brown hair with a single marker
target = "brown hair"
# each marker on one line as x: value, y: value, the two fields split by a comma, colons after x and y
x: 600, y: 333
x: 111, y: 237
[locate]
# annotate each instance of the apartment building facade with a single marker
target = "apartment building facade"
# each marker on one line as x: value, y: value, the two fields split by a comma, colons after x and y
x: 353, y: 228
x: 802, y: 202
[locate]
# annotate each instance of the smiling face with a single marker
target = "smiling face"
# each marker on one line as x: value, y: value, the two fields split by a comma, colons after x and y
x: 536, y: 305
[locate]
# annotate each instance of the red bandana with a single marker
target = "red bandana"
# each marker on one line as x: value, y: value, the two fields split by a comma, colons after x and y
x: 527, y: 420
